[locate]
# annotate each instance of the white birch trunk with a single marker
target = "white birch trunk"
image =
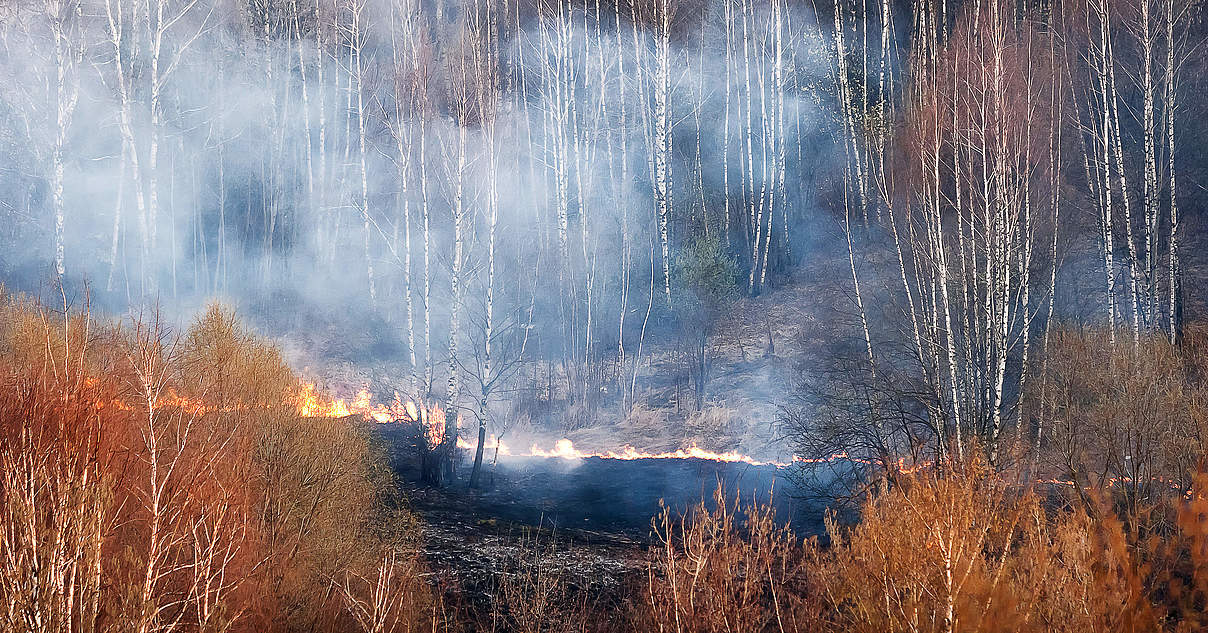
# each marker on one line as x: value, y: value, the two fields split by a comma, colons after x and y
x: 662, y: 137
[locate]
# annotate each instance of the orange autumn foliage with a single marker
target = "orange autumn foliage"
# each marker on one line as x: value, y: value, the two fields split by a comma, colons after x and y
x: 156, y: 481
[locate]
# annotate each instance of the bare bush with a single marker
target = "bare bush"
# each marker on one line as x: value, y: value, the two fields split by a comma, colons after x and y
x: 55, y: 512
x: 963, y: 550
x: 391, y: 597
x: 731, y: 567
x: 1128, y: 417
x: 535, y: 593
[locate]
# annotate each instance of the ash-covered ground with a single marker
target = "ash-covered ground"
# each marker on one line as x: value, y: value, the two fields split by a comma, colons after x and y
x: 621, y: 496
x: 590, y: 517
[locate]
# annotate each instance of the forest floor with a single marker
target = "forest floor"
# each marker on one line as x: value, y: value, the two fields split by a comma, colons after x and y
x: 588, y: 522
x: 473, y: 549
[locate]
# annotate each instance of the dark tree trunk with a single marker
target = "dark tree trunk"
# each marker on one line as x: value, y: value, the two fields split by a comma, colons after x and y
x: 476, y: 472
x: 432, y: 467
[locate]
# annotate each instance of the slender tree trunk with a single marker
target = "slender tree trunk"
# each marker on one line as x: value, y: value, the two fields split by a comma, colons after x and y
x: 1113, y: 129
x: 488, y: 76
x: 1174, y: 271
x: 728, y: 17
x: 662, y: 136
x: 403, y: 139
x: 66, y: 91
x: 357, y: 50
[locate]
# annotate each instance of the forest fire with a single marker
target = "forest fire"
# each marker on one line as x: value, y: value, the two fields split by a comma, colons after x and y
x: 311, y: 404
x: 433, y: 425
x: 314, y: 405
x: 432, y: 422
x: 169, y: 399
x: 492, y: 444
x: 565, y: 449
x: 431, y: 419
x: 916, y: 289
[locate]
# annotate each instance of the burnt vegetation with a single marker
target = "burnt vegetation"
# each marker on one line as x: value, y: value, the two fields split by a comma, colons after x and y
x: 158, y: 480
x: 394, y: 315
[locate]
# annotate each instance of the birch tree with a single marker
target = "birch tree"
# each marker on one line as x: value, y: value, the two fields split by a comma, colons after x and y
x: 1123, y: 44
x: 663, y: 149
x: 64, y: 17
x: 962, y: 213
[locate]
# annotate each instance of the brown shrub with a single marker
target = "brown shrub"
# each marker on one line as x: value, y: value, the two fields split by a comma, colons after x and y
x: 726, y: 568
x: 55, y: 509
x: 963, y: 551
x: 153, y: 481
x: 932, y: 554
x: 1129, y: 419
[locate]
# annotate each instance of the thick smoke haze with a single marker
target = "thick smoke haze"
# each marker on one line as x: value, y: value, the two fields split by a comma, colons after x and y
x: 369, y: 168
x: 238, y: 135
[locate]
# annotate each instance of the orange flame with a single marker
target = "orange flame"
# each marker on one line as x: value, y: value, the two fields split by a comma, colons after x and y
x: 431, y: 420
x: 433, y: 426
x: 432, y: 423
x: 193, y: 406
x: 169, y: 399
x: 313, y: 405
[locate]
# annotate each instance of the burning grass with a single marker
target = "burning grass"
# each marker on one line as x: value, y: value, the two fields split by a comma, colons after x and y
x: 155, y: 481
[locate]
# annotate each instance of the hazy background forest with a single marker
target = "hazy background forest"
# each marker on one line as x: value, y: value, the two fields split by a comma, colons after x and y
x: 430, y: 176
x: 937, y: 263
x: 501, y: 206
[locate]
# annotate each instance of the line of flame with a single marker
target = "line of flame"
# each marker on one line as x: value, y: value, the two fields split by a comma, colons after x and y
x: 433, y: 424
x: 565, y: 449
x: 168, y: 399
x: 431, y: 419
x: 312, y: 404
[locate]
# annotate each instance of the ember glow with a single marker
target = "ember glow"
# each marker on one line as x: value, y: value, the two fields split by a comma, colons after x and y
x: 168, y: 399
x: 433, y: 426
x: 432, y: 423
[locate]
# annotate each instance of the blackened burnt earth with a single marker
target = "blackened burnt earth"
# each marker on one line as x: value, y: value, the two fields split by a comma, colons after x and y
x: 588, y: 519
x: 622, y: 496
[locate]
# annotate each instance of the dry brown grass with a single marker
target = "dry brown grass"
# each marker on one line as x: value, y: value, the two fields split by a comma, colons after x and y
x: 965, y: 551
x: 729, y: 567
x: 160, y: 481
x: 957, y: 550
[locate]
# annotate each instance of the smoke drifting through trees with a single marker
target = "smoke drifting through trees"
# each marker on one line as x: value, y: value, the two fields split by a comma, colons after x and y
x: 441, y: 163
x: 528, y: 181
x: 563, y: 185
